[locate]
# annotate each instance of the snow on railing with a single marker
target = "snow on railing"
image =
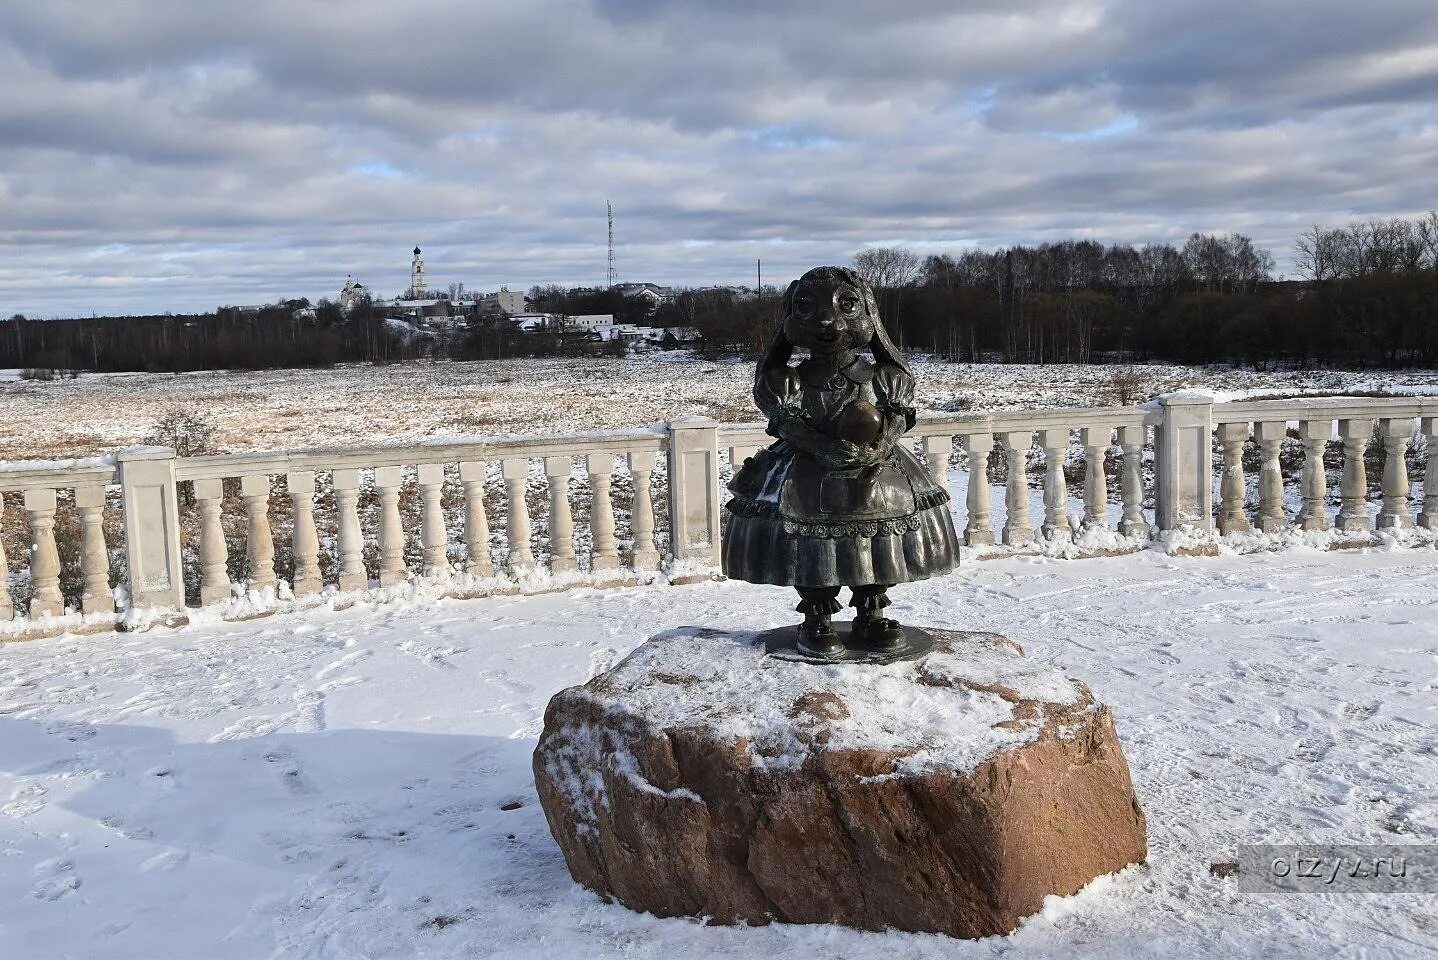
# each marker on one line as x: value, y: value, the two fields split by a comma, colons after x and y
x: 174, y: 532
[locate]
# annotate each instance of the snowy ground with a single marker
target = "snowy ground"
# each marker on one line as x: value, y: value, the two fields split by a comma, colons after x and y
x: 356, y: 783
x: 343, y: 405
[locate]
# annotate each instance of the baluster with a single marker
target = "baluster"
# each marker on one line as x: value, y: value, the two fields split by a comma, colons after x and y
x: 1315, y: 435
x: 1095, y: 442
x: 96, y: 596
x: 1270, y: 434
x: 1353, y: 514
x: 304, y: 540
x: 1394, y: 514
x: 1231, y: 485
x: 7, y: 606
x: 259, y: 541
x: 214, y: 554
x: 352, y: 575
x: 516, y: 479
x: 641, y: 466
x: 978, y: 532
x: 44, y: 558
x: 603, y: 556
x: 561, y: 521
x: 477, y: 562
x: 434, y: 537
x: 937, y: 448
x: 387, y: 481
x: 1130, y: 441
x: 1055, y: 445
x: 1017, y: 529
x: 1428, y: 519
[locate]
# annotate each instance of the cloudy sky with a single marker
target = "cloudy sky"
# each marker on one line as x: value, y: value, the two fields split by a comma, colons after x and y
x: 175, y: 154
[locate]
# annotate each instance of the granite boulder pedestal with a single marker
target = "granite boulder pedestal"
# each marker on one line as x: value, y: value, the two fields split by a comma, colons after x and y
x: 950, y: 793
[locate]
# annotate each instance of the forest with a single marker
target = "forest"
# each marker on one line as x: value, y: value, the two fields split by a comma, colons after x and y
x: 1366, y: 295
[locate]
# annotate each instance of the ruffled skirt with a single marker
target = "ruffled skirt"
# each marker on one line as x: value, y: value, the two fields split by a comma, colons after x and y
x: 760, y: 547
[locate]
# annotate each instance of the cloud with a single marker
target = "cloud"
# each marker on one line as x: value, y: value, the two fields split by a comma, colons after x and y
x: 163, y: 154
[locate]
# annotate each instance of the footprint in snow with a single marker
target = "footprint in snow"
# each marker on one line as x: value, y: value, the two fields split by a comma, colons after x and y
x: 25, y: 801
x: 54, y: 878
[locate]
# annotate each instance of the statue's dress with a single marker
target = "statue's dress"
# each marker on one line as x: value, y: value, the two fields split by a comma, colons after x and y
x: 796, y: 522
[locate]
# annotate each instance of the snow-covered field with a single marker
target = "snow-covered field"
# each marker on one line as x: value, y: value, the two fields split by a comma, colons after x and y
x: 356, y: 783
x: 418, y: 401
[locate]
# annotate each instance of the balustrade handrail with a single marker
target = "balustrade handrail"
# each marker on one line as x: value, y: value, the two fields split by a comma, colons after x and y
x: 225, y: 465
x: 56, y: 474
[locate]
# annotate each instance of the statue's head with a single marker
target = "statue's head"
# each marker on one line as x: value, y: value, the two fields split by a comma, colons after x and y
x: 830, y: 310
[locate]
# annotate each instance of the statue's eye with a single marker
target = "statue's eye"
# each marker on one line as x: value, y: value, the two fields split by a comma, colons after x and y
x: 848, y: 304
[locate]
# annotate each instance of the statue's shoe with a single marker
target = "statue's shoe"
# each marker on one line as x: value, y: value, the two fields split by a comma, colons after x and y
x: 819, y: 641
x: 880, y: 633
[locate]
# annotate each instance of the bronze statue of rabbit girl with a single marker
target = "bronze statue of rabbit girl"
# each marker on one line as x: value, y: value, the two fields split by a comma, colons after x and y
x: 836, y: 501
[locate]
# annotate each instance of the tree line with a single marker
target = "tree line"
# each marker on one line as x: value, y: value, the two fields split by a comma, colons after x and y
x: 1366, y: 295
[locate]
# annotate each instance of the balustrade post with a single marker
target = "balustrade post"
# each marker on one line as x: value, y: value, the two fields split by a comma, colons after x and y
x: 1428, y: 519
x: 304, y: 540
x: 387, y: 482
x: 1095, y: 441
x: 1397, y: 432
x: 7, y: 606
x: 96, y: 596
x: 641, y: 467
x: 937, y: 448
x: 1017, y: 529
x: 1232, y: 487
x: 214, y: 554
x: 694, y: 489
x: 561, y: 520
x: 434, y: 537
x: 477, y: 562
x: 516, y: 480
x: 1315, y: 435
x: 1055, y: 444
x: 1130, y: 441
x: 352, y: 575
x: 259, y: 540
x: 1183, y: 451
x: 1270, y: 435
x: 1353, y: 514
x: 603, y: 554
x: 46, y: 600
x: 978, y: 531
x: 152, y: 527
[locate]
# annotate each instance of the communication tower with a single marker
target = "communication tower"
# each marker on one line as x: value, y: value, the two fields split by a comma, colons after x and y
x: 613, y: 275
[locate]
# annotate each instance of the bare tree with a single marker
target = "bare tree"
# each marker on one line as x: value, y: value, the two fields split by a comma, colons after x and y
x: 887, y: 267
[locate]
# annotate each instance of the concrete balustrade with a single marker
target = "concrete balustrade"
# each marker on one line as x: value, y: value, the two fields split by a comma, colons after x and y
x: 1197, y: 445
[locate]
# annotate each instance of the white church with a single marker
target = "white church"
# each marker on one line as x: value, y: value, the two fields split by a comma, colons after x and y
x: 415, y: 302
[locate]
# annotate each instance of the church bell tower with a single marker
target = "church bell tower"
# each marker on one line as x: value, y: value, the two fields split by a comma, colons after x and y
x: 417, y: 284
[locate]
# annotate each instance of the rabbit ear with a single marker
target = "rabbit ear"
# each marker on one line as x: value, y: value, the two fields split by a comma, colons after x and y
x: 880, y: 345
x: 780, y: 349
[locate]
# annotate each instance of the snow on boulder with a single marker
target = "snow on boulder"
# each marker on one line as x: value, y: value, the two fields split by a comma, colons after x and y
x: 948, y: 794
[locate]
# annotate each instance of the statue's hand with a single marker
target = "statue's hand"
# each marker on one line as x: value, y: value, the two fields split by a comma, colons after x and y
x: 835, y: 454
x: 871, y: 454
